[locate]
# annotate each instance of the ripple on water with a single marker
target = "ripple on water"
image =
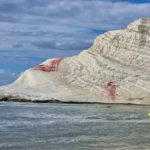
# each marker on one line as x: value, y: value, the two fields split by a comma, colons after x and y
x: 70, y: 126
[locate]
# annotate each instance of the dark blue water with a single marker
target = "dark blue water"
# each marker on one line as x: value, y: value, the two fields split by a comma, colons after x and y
x: 28, y: 126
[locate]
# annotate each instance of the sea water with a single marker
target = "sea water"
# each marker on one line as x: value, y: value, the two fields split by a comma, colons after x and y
x: 37, y: 126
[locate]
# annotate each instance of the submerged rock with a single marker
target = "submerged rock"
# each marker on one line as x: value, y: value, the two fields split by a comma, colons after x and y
x: 116, y: 69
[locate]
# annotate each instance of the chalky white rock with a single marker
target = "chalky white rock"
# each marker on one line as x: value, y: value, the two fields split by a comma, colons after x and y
x: 116, y: 69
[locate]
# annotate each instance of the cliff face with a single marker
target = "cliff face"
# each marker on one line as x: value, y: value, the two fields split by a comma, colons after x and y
x: 116, y: 69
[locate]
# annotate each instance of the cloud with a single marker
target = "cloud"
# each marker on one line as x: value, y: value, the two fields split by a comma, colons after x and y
x: 2, y: 71
x: 63, y: 45
x: 7, y: 18
x: 90, y: 13
x: 17, y: 45
x: 9, y: 7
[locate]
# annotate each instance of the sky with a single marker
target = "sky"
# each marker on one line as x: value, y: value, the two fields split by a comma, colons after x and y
x: 32, y: 31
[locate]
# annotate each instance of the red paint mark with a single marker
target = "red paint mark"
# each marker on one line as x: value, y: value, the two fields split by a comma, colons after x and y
x: 111, y: 91
x: 53, y: 66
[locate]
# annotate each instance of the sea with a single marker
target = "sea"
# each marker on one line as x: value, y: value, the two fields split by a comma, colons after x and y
x: 56, y: 126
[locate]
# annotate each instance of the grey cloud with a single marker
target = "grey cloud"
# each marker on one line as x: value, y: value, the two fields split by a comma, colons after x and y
x: 33, y: 3
x: 63, y: 12
x: 45, y: 44
x: 17, y: 45
x: 95, y: 14
x: 65, y: 45
x: 27, y: 33
x: 9, y: 7
x: 7, y: 18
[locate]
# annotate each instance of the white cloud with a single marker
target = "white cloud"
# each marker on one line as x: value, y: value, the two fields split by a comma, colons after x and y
x: 2, y: 71
x: 8, y: 73
x: 98, y: 14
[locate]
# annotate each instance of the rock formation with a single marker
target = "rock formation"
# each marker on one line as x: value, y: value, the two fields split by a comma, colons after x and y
x: 116, y: 69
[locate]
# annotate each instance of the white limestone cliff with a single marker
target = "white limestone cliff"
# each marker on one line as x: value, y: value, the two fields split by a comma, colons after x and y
x: 116, y: 69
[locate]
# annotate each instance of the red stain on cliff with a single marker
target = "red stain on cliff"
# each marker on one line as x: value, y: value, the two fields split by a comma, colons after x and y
x: 111, y: 91
x: 53, y: 66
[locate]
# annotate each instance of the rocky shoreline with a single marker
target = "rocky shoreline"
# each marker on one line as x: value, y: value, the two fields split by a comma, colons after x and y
x: 11, y: 99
